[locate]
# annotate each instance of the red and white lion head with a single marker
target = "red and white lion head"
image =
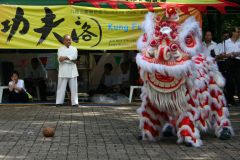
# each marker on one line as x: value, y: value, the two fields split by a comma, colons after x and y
x: 166, y: 50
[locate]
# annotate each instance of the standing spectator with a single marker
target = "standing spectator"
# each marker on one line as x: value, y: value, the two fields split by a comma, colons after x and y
x: 233, y: 62
x: 222, y: 63
x: 221, y: 52
x: 68, y: 73
x: 17, y: 91
x: 35, y: 77
x: 209, y: 45
x: 221, y: 47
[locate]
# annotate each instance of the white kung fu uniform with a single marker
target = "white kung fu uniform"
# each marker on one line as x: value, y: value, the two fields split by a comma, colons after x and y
x: 67, y: 73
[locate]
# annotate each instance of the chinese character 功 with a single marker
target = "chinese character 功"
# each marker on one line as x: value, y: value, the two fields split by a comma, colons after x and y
x: 16, y: 22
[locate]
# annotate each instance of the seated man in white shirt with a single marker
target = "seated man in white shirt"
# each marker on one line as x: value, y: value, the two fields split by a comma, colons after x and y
x: 17, y: 91
x: 36, y: 77
x: 209, y: 45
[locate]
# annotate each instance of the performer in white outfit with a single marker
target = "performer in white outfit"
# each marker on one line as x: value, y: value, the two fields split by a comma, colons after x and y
x: 67, y: 56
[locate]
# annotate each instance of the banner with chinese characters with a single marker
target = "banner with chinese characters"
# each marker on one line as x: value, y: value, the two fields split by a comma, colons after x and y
x: 42, y: 27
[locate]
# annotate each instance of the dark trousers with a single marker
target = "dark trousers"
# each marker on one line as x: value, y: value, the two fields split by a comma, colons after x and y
x: 237, y: 77
x: 31, y: 87
x: 18, y: 97
x: 224, y: 69
x: 232, y: 76
x: 222, y: 66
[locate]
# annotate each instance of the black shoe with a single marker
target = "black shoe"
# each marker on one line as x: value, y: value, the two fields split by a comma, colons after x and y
x: 225, y: 134
x: 188, y: 144
x: 76, y: 105
x: 59, y: 105
x: 140, y: 137
x: 168, y: 132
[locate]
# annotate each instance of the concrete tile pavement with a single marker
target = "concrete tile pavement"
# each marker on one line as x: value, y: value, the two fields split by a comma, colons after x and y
x: 97, y: 132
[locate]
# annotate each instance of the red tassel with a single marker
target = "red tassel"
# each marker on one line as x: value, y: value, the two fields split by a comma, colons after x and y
x: 148, y: 6
x: 131, y: 5
x: 96, y: 4
x: 114, y: 5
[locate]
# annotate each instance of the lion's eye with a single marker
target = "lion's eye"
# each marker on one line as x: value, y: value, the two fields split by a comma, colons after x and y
x: 151, y: 52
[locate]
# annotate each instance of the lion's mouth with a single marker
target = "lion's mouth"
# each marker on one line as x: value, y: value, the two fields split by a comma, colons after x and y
x: 164, y: 83
x: 167, y: 63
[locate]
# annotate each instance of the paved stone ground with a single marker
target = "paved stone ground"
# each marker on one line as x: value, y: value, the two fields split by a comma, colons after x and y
x: 94, y: 132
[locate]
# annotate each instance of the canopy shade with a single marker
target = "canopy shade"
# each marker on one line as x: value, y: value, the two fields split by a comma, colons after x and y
x: 34, y: 2
x: 133, y: 4
x: 182, y: 4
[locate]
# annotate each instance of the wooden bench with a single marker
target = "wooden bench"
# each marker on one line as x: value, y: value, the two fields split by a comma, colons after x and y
x: 131, y: 92
x: 1, y: 92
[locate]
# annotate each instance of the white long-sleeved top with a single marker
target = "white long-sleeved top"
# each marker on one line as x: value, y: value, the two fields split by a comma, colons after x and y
x: 19, y: 84
x: 232, y: 47
x: 67, y: 69
x: 211, y: 46
x: 221, y: 48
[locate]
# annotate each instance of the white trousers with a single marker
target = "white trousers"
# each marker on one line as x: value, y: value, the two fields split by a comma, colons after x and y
x: 61, y: 89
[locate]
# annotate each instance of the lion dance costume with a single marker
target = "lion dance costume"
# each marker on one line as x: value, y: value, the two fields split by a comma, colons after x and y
x: 182, y: 88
